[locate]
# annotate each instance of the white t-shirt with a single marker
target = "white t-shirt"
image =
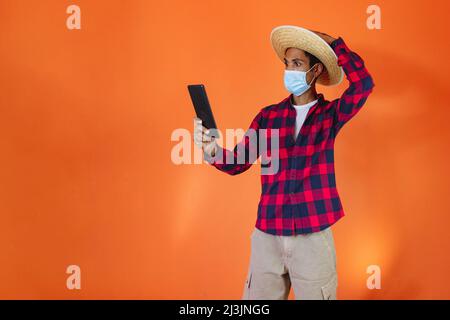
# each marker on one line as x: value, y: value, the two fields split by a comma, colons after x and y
x: 302, y: 111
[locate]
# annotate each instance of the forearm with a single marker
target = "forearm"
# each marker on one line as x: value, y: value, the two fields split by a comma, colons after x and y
x: 244, y: 153
x: 360, y: 82
x: 232, y: 162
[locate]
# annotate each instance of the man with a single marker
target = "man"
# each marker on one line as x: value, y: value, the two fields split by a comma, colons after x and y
x: 292, y: 242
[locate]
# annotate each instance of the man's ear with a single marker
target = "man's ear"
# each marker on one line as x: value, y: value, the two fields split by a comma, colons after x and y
x: 320, y: 70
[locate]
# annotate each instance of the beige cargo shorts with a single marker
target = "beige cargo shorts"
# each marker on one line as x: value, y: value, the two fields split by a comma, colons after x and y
x: 307, y: 262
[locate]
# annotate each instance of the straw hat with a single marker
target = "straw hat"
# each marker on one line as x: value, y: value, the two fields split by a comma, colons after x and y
x: 284, y: 37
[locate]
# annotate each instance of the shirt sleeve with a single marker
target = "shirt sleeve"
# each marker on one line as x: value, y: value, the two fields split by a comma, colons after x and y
x: 244, y: 154
x: 360, y: 84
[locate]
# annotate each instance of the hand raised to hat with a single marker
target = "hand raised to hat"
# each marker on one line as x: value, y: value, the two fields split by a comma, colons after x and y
x: 328, y: 39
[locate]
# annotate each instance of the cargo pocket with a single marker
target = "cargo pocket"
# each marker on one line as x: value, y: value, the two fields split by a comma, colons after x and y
x: 249, y: 280
x: 248, y: 283
x: 328, y: 240
x: 329, y: 290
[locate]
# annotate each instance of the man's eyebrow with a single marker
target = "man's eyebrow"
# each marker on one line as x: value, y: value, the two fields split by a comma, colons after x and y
x: 295, y: 59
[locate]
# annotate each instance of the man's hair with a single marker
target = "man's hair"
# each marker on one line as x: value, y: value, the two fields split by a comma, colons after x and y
x: 312, y: 59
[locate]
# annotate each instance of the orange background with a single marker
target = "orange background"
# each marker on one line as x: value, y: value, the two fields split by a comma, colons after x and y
x: 86, y: 117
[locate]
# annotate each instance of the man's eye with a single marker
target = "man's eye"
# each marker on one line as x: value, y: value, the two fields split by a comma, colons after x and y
x: 297, y: 64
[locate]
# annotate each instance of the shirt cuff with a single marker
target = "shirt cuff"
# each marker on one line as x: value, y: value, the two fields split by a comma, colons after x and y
x: 339, y: 46
x: 336, y: 42
x: 345, y: 56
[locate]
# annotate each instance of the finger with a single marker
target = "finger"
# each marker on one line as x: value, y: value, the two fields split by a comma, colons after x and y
x: 209, y: 147
x: 198, y: 131
x: 198, y: 143
x: 200, y: 134
x: 199, y: 128
x: 212, y: 143
x: 198, y: 121
x: 209, y: 132
x: 202, y: 137
x: 205, y: 130
x: 207, y: 139
x: 198, y: 137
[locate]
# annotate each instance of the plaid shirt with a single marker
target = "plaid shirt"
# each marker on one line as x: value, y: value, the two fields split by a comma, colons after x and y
x: 301, y: 197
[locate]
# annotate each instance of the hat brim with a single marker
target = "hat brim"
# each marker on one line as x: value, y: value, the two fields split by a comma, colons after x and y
x: 284, y: 37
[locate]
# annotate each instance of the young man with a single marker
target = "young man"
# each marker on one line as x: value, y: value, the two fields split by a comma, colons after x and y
x: 292, y: 242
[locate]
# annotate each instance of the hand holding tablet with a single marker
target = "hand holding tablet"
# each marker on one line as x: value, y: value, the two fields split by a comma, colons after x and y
x: 205, y: 128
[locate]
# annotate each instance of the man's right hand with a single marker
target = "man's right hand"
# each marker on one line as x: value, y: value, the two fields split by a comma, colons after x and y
x: 202, y: 138
x: 328, y: 39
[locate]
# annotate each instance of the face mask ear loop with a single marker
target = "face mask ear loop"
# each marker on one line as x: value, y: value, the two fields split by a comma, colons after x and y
x: 313, y: 77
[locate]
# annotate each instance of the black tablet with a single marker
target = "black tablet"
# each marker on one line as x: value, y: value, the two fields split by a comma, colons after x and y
x: 201, y: 105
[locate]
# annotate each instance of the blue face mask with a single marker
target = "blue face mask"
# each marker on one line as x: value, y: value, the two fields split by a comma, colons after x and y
x: 295, y: 81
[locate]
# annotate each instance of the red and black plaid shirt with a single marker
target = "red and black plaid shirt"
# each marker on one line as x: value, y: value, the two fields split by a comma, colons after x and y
x: 302, y: 196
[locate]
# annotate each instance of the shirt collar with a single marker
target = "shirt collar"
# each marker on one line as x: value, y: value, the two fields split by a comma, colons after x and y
x: 287, y: 102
